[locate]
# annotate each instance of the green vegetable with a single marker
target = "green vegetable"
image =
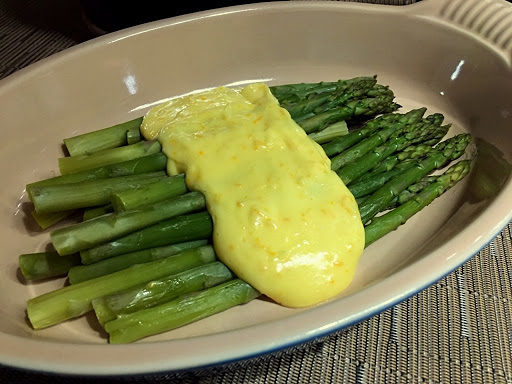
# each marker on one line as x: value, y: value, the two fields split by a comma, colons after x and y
x: 340, y: 144
x: 90, y: 233
x: 106, y: 138
x: 318, y: 103
x: 363, y: 107
x: 446, y: 151
x: 180, y: 229
x: 382, y: 225
x: 151, y: 163
x: 399, y: 160
x: 409, y: 135
x: 133, y: 135
x: 108, y: 156
x: 290, y: 93
x: 74, y: 300
x: 148, y: 194
x: 365, y: 146
x: 160, y: 291
x: 46, y: 220
x: 36, y: 266
x: 369, y: 186
x: 92, y: 213
x: 54, y: 198
x: 331, y: 132
x: 181, y: 311
x: 81, y: 273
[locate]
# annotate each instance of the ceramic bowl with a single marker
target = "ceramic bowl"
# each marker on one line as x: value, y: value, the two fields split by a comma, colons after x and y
x: 453, y: 57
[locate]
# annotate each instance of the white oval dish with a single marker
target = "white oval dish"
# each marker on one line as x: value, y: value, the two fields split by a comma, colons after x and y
x: 436, y: 54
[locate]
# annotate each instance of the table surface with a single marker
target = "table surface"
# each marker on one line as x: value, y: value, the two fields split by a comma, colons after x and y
x: 459, y: 330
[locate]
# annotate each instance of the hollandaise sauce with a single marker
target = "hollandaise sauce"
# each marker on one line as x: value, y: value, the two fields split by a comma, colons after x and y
x: 283, y: 221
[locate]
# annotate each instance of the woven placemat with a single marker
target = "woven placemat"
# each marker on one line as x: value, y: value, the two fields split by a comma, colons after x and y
x: 457, y: 331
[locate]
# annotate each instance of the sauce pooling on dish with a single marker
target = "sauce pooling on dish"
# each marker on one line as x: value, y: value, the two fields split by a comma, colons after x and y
x: 283, y: 221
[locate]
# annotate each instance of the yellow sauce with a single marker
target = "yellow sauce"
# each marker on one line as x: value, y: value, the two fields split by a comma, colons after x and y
x: 283, y: 221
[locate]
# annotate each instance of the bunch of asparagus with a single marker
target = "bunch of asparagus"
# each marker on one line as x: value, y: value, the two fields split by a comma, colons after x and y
x: 141, y: 257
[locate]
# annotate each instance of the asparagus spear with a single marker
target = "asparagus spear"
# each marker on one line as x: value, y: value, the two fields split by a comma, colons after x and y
x: 318, y: 103
x: 399, y: 160
x: 104, y: 267
x: 366, y: 187
x: 133, y: 135
x: 411, y: 191
x: 293, y: 92
x: 148, y: 194
x: 446, y: 151
x: 92, y: 213
x: 404, y: 196
x: 106, y: 138
x: 380, y: 90
x: 160, y: 291
x: 146, y: 164
x: 180, y: 229
x: 366, y: 107
x: 331, y: 132
x: 108, y: 156
x: 340, y: 144
x: 388, y: 168
x: 46, y: 220
x: 151, y: 163
x: 376, y: 139
x: 74, y: 300
x: 54, y: 198
x: 356, y: 169
x: 382, y: 225
x: 179, y: 312
x: 36, y: 266
x: 77, y: 237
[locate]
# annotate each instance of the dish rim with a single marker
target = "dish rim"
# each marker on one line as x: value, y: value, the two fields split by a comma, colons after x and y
x: 287, y: 338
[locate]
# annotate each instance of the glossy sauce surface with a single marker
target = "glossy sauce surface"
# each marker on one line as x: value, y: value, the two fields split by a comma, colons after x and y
x: 283, y: 221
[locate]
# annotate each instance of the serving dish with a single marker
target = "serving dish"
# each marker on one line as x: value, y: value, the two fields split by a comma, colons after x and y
x: 453, y: 57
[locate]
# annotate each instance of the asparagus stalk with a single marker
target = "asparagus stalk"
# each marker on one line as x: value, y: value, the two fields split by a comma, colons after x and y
x: 369, y: 186
x: 77, y: 237
x: 399, y: 160
x: 404, y: 196
x: 384, y: 224
x: 46, y: 220
x: 318, y: 103
x: 180, y: 229
x: 293, y: 92
x: 160, y: 291
x: 380, y: 90
x: 388, y: 168
x: 92, y: 213
x: 365, y: 107
x: 356, y: 169
x: 331, y: 132
x: 148, y: 194
x: 133, y: 135
x: 446, y: 151
x: 151, y: 163
x: 411, y: 191
x: 36, y: 266
x: 376, y: 139
x: 104, y: 267
x: 106, y: 138
x: 74, y: 300
x: 108, y: 156
x: 181, y: 311
x: 54, y: 198
x: 341, y: 143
